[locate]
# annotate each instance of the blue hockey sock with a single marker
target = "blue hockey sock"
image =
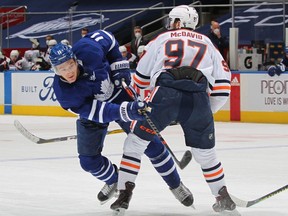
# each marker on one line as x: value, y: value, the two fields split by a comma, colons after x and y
x: 163, y: 163
x: 100, y: 167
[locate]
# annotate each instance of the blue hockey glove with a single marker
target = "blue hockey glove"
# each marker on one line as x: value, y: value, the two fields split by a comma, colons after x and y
x: 120, y: 70
x: 272, y: 70
x: 132, y: 110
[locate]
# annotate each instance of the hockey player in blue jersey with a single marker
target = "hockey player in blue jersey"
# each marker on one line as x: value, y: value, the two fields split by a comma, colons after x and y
x: 281, y: 67
x: 88, y: 83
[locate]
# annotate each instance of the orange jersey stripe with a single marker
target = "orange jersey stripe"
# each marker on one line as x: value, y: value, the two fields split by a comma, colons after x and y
x: 213, y: 174
x: 141, y: 82
x: 221, y: 88
x: 130, y: 165
x: 132, y: 125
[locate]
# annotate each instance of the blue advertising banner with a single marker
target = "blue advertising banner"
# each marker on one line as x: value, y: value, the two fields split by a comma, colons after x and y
x: 262, y: 22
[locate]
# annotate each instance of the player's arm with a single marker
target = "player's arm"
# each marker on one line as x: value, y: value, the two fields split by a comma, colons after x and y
x: 105, y: 112
x: 120, y: 68
x: 140, y: 80
x: 220, y: 90
x: 74, y: 101
x: 145, y: 66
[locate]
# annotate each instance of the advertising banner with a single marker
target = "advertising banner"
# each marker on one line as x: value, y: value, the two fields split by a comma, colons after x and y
x: 235, y: 98
x: 33, y: 89
x: 255, y: 96
x: 260, y: 92
x: 32, y: 94
x: 249, y: 61
x: 262, y: 22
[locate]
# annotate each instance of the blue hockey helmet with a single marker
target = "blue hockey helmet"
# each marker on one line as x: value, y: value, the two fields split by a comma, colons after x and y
x: 60, y: 53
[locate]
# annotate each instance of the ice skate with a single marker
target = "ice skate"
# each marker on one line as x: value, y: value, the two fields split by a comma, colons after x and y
x: 119, y: 212
x: 107, y: 192
x: 224, y: 204
x: 122, y: 203
x: 183, y: 194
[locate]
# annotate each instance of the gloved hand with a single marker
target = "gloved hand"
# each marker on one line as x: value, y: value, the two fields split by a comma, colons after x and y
x: 120, y: 70
x: 272, y: 70
x: 132, y: 110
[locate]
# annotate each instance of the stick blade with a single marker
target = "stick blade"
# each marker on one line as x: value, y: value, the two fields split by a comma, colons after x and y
x: 187, y: 157
x: 115, y: 131
x: 239, y: 202
x: 26, y: 133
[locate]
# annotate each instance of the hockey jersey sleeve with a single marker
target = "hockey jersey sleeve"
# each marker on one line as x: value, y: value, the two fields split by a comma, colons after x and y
x: 145, y: 66
x: 98, y: 111
x: 98, y: 45
x: 219, y: 90
x: 120, y: 67
x: 78, y: 98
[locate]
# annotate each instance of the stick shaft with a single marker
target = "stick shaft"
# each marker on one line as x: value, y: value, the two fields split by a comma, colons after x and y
x: 40, y: 140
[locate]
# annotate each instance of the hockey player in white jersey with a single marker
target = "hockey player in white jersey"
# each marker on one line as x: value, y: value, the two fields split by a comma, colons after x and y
x: 190, y: 81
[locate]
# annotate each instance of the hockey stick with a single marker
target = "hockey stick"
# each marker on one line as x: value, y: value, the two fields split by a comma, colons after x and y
x: 40, y: 140
x: 187, y: 157
x: 247, y: 204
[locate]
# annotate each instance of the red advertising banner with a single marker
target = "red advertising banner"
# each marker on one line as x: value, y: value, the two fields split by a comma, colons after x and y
x: 10, y: 16
x: 235, y: 112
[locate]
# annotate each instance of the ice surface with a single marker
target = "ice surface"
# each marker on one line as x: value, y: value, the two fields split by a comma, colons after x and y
x: 46, y: 180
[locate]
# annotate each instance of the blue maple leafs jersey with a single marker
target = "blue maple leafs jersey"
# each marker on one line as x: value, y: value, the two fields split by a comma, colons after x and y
x: 91, y: 94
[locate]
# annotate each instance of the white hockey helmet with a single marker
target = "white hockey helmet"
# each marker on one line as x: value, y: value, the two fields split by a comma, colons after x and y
x: 14, y: 53
x: 122, y: 49
x: 188, y: 16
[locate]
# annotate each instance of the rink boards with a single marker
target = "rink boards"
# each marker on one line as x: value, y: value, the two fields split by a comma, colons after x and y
x: 1, y: 93
x: 31, y: 93
x: 255, y: 96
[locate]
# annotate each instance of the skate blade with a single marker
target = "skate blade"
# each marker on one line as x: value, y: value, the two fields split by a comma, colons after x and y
x: 119, y: 212
x: 230, y: 213
x: 116, y: 195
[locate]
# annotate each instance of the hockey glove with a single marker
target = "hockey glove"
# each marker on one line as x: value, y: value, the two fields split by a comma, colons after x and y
x: 130, y: 111
x: 272, y: 70
x: 120, y: 70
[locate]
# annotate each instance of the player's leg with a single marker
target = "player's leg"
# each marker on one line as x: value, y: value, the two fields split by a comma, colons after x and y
x: 199, y: 134
x: 90, y: 138
x: 136, y: 143
x: 134, y: 148
x: 165, y: 166
x: 214, y: 175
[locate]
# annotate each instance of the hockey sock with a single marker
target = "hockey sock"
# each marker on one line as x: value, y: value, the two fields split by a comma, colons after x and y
x: 100, y: 167
x: 129, y: 168
x: 164, y: 164
x: 214, y: 176
x: 211, y: 167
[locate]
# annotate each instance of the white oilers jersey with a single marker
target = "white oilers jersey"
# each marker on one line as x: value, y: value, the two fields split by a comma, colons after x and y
x: 184, y: 47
